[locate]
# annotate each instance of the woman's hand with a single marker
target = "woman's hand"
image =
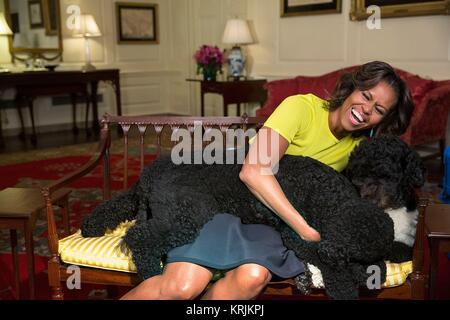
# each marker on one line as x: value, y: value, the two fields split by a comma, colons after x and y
x: 257, y: 173
x: 310, y: 234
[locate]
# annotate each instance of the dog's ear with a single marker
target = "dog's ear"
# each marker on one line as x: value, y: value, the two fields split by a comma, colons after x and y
x: 414, y: 169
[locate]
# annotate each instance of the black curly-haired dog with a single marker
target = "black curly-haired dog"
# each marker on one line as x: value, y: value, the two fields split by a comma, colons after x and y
x: 172, y: 203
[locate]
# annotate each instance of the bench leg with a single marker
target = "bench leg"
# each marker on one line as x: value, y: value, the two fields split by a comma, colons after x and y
x: 29, y: 246
x: 15, y: 257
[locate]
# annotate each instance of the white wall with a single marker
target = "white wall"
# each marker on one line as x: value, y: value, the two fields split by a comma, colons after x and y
x: 153, y: 77
x: 312, y: 45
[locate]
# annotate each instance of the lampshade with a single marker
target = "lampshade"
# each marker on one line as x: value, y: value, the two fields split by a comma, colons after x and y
x: 88, y: 27
x: 4, y: 28
x: 237, y: 32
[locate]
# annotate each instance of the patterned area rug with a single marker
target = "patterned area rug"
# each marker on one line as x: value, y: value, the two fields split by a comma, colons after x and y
x: 52, y: 164
x: 85, y: 149
x: 85, y: 196
x: 86, y: 192
x: 48, y: 153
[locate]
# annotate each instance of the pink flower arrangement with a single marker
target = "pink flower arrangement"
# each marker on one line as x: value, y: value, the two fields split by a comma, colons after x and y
x: 209, y: 59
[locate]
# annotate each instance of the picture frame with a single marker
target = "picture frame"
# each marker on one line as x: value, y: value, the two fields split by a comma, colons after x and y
x: 35, y: 14
x: 291, y: 8
x: 399, y: 8
x: 51, y: 19
x: 137, y: 23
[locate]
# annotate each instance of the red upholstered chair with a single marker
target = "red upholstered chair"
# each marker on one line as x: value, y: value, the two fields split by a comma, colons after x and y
x: 431, y: 99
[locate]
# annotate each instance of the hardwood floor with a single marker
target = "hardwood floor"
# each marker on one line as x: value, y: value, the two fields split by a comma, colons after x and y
x: 53, y: 139
x: 46, y: 140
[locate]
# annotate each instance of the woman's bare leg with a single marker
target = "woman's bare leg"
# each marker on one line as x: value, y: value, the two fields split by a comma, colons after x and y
x: 243, y: 283
x: 179, y: 281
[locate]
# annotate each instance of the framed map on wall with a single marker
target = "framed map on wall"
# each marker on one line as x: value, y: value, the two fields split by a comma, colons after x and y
x: 137, y: 23
x: 399, y: 8
x: 291, y: 8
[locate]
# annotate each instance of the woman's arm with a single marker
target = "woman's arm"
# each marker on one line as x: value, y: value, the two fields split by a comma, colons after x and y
x: 257, y: 173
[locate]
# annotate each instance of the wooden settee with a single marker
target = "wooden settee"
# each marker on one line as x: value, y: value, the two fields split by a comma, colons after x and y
x: 414, y: 288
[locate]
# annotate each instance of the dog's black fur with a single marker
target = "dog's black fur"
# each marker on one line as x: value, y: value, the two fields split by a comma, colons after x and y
x: 387, y: 179
x: 172, y: 203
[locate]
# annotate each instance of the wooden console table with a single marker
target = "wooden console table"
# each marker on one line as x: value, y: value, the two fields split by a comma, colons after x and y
x: 233, y: 92
x: 32, y: 84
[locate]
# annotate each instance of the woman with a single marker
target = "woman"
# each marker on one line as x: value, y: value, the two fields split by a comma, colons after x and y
x: 370, y: 99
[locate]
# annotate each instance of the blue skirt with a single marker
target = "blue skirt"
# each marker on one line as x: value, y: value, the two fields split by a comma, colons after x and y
x: 225, y: 243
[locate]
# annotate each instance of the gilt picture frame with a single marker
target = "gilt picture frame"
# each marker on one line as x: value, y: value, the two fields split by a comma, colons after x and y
x: 398, y: 8
x: 137, y: 23
x: 35, y: 14
x: 290, y: 8
x: 51, y: 20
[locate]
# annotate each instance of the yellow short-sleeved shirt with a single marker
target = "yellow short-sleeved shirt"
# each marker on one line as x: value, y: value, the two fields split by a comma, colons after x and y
x: 303, y: 121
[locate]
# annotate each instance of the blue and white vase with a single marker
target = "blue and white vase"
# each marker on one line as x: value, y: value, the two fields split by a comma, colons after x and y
x: 236, y: 62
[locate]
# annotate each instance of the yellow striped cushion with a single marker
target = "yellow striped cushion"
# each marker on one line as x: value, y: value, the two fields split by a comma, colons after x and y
x: 396, y: 273
x: 107, y: 252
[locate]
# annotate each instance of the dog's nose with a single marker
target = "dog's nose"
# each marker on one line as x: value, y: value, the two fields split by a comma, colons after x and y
x: 363, y: 192
x: 367, y: 193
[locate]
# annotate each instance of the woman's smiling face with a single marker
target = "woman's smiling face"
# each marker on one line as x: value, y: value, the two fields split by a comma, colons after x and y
x: 363, y: 109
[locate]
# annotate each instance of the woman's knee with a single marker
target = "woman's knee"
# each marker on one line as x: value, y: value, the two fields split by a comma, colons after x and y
x: 181, y: 289
x: 252, y: 276
x: 184, y: 281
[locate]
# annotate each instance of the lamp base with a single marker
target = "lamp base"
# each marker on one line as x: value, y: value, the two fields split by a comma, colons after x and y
x: 236, y: 62
x: 88, y: 67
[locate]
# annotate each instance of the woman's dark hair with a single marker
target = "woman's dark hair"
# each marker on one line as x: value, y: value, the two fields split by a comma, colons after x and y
x: 368, y: 76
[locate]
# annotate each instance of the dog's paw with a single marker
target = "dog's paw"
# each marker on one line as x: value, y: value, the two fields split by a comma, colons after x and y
x: 304, y: 282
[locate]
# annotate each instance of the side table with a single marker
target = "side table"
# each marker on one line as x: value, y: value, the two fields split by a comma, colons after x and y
x: 29, y: 85
x: 233, y: 92
x: 19, y: 209
x: 437, y: 228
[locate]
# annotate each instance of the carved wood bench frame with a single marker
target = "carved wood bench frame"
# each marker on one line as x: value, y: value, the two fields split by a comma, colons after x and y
x: 414, y: 288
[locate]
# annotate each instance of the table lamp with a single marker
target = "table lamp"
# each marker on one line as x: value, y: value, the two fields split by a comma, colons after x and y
x: 88, y: 29
x: 5, y: 30
x: 236, y: 33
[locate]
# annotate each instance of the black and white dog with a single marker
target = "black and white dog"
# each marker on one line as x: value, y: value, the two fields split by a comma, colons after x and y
x: 405, y: 221
x: 387, y: 182
x: 172, y: 203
